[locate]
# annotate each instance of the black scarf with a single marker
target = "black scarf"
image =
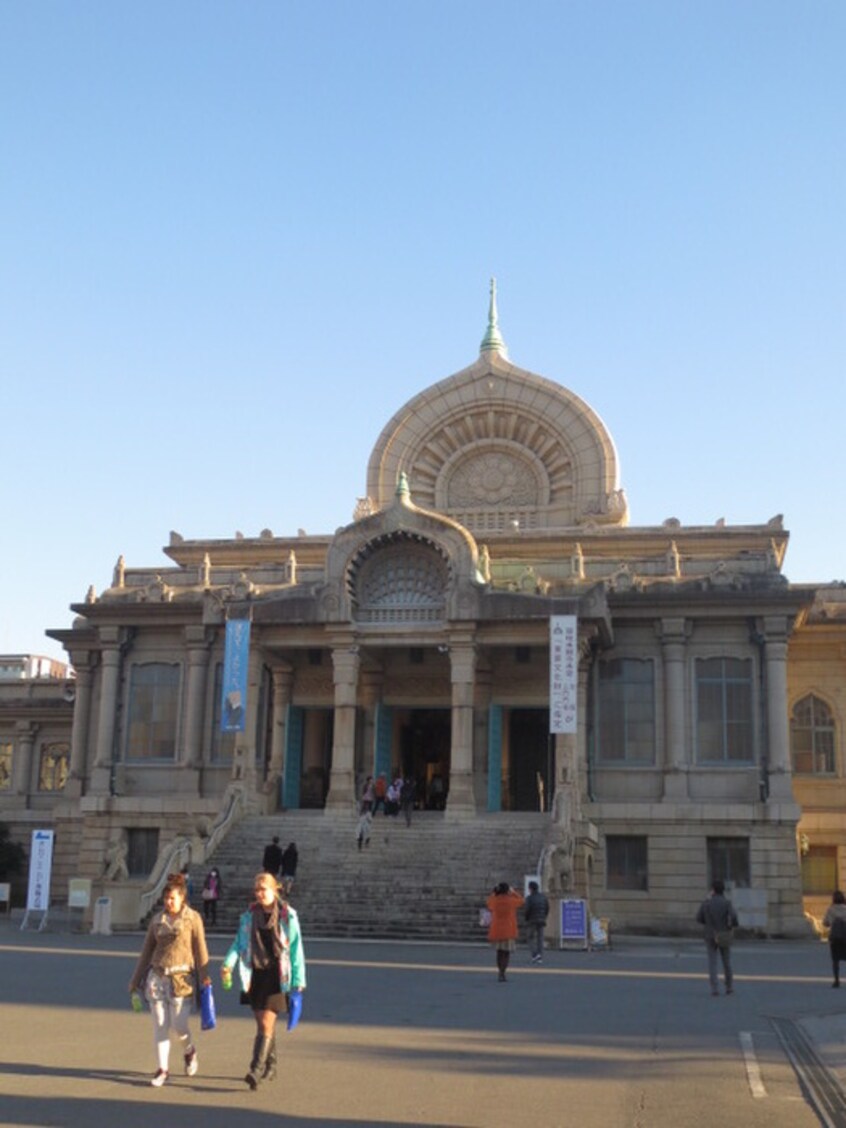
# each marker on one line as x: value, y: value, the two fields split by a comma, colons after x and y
x: 264, y: 920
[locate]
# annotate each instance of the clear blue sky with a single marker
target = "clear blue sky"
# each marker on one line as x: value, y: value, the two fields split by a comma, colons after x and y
x: 236, y: 237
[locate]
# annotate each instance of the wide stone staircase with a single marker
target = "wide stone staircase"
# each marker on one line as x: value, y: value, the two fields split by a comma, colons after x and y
x: 423, y: 882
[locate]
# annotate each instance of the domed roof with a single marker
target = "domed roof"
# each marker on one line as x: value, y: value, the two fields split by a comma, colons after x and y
x: 496, y: 447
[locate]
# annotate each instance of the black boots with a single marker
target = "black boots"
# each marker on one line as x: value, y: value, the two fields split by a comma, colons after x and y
x: 270, y: 1065
x: 261, y: 1052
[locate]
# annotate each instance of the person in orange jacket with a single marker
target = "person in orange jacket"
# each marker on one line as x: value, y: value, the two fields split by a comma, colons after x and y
x: 503, y: 904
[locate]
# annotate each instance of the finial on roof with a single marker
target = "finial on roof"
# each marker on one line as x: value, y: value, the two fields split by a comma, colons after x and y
x: 492, y: 340
x: 402, y: 485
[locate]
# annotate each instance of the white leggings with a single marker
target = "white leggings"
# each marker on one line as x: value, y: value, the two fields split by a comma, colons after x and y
x: 169, y: 1013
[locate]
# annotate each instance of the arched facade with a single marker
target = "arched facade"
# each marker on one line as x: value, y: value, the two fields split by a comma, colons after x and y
x: 416, y: 640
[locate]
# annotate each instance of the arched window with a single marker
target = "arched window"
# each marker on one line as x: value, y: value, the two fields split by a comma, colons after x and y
x: 812, y: 737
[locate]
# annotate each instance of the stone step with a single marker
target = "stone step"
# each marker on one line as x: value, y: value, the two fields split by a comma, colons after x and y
x: 424, y: 881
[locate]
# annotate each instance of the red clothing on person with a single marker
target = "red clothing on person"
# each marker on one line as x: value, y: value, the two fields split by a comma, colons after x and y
x: 503, y: 908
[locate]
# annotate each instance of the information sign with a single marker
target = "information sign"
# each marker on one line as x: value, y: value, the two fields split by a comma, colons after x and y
x: 573, y: 929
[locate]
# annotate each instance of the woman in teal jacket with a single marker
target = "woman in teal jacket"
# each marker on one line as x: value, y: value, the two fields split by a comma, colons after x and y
x: 268, y: 949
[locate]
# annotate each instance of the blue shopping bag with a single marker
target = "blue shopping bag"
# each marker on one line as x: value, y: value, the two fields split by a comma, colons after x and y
x: 208, y: 1013
x: 295, y: 1008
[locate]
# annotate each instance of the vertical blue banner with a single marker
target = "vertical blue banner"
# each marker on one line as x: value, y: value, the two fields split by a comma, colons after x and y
x: 233, y: 705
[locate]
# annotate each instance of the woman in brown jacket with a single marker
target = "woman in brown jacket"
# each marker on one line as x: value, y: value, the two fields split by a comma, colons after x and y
x: 503, y: 904
x: 174, y: 952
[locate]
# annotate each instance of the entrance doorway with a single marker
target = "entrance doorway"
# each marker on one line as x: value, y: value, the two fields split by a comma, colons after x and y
x: 424, y: 753
x: 528, y: 778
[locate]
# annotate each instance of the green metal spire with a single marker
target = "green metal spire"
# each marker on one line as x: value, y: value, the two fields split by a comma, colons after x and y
x: 403, y: 489
x: 492, y: 340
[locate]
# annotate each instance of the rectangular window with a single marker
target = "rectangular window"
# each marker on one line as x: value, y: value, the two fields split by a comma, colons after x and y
x: 153, y: 712
x: 53, y: 766
x: 625, y: 726
x: 728, y: 861
x: 222, y: 743
x: 724, y: 720
x: 6, y: 752
x: 142, y: 850
x: 819, y: 870
x: 626, y: 862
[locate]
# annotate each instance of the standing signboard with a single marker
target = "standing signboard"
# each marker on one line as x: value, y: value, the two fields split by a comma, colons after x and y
x: 573, y: 923
x: 40, y: 866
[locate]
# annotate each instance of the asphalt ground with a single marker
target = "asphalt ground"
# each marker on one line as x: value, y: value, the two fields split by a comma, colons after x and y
x: 418, y: 1035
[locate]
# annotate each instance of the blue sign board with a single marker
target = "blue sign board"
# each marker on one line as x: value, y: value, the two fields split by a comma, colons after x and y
x: 574, y: 923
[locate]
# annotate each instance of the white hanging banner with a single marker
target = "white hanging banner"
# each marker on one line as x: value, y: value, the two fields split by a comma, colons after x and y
x: 563, y: 672
x: 40, y: 865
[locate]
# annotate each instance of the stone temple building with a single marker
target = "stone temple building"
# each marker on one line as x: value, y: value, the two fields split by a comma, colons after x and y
x: 416, y: 640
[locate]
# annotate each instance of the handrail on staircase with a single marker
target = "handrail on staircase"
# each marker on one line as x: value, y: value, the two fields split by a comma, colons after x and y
x: 187, y: 849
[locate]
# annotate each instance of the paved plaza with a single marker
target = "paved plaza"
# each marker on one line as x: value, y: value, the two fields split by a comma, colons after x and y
x: 397, y: 1034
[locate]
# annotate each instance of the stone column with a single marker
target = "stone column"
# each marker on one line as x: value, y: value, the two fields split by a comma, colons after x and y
x: 673, y: 634
x: 345, y: 664
x: 462, y: 656
x: 198, y: 664
x: 283, y: 683
x: 244, y: 757
x: 371, y: 684
x: 775, y: 632
x: 482, y: 704
x: 81, y: 724
x: 22, y: 765
x: 110, y: 661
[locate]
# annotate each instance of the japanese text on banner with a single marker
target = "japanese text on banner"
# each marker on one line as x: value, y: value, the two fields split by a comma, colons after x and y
x: 563, y: 672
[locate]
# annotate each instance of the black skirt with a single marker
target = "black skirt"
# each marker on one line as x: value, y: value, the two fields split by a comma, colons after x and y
x: 263, y: 984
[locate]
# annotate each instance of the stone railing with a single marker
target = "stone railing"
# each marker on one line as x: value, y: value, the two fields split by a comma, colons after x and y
x: 197, y: 848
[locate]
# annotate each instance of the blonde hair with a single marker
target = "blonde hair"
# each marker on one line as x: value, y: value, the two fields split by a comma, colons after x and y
x: 264, y: 878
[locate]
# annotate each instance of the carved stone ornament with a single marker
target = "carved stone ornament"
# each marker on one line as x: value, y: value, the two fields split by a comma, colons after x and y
x: 491, y: 480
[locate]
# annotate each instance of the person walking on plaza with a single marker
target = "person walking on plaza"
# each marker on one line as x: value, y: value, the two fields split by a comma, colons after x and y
x: 717, y: 916
x: 536, y: 911
x: 835, y: 921
x: 271, y: 861
x: 174, y: 953
x: 268, y: 949
x: 503, y: 904
x: 211, y: 894
x: 290, y: 858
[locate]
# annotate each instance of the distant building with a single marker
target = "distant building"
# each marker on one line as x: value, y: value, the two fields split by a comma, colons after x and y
x: 416, y: 640
x: 14, y: 667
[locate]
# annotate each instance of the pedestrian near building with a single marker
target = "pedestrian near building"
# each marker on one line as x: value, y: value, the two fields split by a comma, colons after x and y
x: 290, y: 859
x: 835, y: 921
x: 380, y: 790
x: 271, y: 860
x: 362, y: 831
x: 503, y: 904
x: 367, y: 795
x: 173, y: 956
x: 268, y: 950
x: 211, y: 894
x: 536, y: 911
x: 717, y: 916
x: 409, y: 788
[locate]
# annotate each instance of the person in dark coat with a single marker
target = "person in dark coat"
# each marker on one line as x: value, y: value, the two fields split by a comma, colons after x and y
x: 536, y: 911
x: 271, y: 861
x: 717, y: 916
x: 290, y: 857
x: 835, y: 921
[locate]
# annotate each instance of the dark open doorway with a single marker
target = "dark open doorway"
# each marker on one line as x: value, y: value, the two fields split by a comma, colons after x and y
x: 425, y: 754
x: 528, y: 761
